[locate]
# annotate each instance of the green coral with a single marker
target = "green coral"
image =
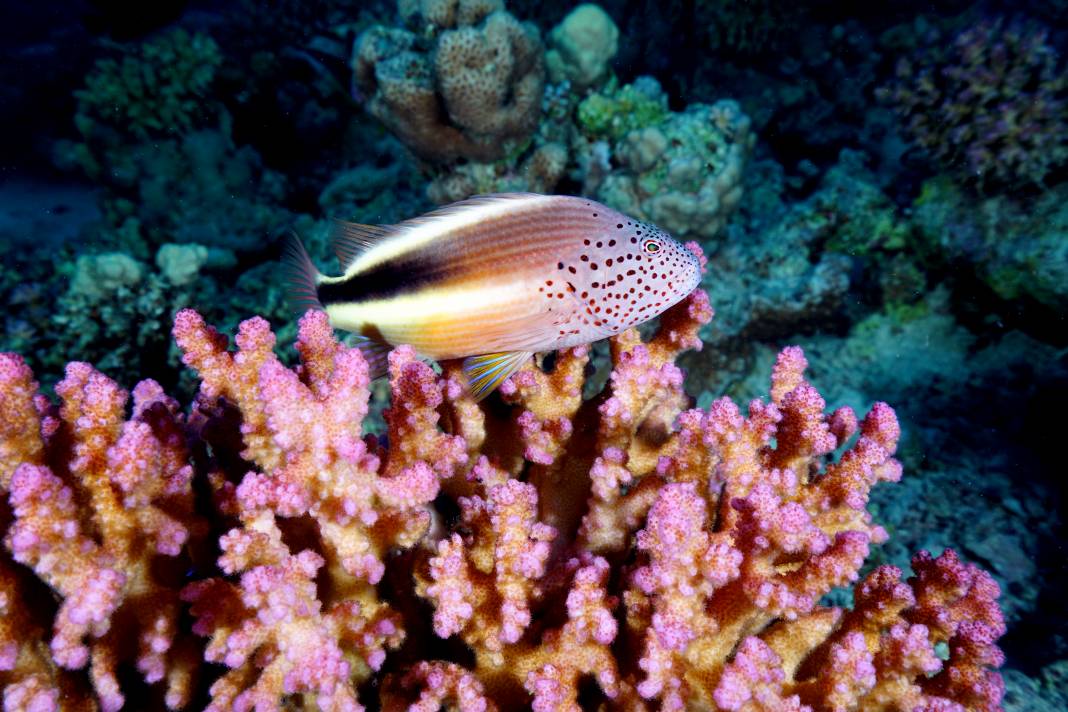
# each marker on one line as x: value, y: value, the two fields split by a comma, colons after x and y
x: 865, y: 220
x: 159, y: 143
x: 748, y: 28
x: 616, y: 111
x: 160, y: 89
x: 680, y: 170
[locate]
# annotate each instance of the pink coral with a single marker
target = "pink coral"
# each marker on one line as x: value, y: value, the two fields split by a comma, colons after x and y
x: 538, y: 550
x: 102, y: 509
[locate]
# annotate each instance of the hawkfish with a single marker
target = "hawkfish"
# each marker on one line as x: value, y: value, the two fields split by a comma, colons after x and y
x: 493, y: 280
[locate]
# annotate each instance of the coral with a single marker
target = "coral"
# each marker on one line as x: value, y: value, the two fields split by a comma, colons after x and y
x: 200, y: 188
x: 383, y: 187
x: 785, y: 266
x: 994, y: 518
x: 616, y: 111
x: 100, y: 276
x: 158, y: 89
x: 536, y: 550
x: 116, y: 325
x: 864, y: 221
x: 156, y: 137
x: 161, y: 89
x: 539, y: 172
x: 990, y: 105
x: 748, y: 28
x: 680, y: 170
x: 472, y: 89
x: 182, y: 264
x: 582, y: 46
x: 102, y: 512
x: 778, y: 290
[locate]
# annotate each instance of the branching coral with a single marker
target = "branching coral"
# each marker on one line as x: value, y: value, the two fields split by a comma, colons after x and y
x: 473, y: 89
x: 102, y: 511
x: 539, y: 550
x: 748, y: 28
x: 990, y: 105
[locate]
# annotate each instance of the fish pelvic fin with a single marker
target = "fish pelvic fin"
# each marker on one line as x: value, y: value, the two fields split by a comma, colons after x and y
x: 375, y: 353
x: 486, y: 372
x: 301, y: 276
x: 350, y: 240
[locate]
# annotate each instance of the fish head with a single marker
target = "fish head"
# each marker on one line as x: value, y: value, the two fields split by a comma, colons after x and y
x: 630, y: 271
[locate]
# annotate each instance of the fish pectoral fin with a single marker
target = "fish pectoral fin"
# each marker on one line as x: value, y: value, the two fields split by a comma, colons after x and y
x: 486, y: 372
x: 375, y: 353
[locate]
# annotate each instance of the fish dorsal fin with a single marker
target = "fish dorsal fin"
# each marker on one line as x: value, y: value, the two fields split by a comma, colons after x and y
x: 484, y: 373
x: 353, y: 239
x: 467, y: 204
x: 300, y: 274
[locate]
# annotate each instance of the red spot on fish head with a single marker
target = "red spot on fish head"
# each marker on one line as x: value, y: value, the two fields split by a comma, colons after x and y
x: 625, y: 270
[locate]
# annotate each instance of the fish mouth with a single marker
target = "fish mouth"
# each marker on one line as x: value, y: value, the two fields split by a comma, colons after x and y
x: 695, y: 272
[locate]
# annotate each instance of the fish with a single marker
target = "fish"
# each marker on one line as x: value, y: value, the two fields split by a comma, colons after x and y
x: 493, y: 280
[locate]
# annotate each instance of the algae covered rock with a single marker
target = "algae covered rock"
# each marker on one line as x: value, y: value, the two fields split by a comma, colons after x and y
x: 680, y: 170
x: 1019, y: 249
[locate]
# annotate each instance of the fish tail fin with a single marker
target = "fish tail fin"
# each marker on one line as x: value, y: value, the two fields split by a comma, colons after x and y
x: 301, y: 276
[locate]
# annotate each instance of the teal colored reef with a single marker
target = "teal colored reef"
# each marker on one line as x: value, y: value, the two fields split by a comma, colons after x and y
x: 883, y: 185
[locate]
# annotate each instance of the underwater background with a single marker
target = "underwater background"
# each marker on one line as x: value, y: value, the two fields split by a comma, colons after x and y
x: 882, y: 184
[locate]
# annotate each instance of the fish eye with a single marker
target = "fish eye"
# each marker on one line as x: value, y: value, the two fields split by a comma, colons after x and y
x: 651, y: 246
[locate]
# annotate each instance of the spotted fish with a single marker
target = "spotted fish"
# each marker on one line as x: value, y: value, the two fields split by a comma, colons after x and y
x: 495, y: 279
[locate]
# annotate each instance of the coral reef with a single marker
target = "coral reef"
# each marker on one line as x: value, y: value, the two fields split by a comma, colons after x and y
x: 616, y: 111
x: 990, y: 105
x: 552, y: 547
x: 155, y: 137
x: 772, y: 276
x: 681, y: 170
x: 538, y: 172
x: 162, y: 90
x: 747, y: 27
x: 467, y: 84
x: 514, y: 522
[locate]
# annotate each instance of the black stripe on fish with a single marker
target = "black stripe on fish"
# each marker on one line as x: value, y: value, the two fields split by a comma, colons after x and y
x: 383, y: 281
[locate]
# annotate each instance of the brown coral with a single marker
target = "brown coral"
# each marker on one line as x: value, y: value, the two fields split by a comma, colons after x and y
x: 472, y: 91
